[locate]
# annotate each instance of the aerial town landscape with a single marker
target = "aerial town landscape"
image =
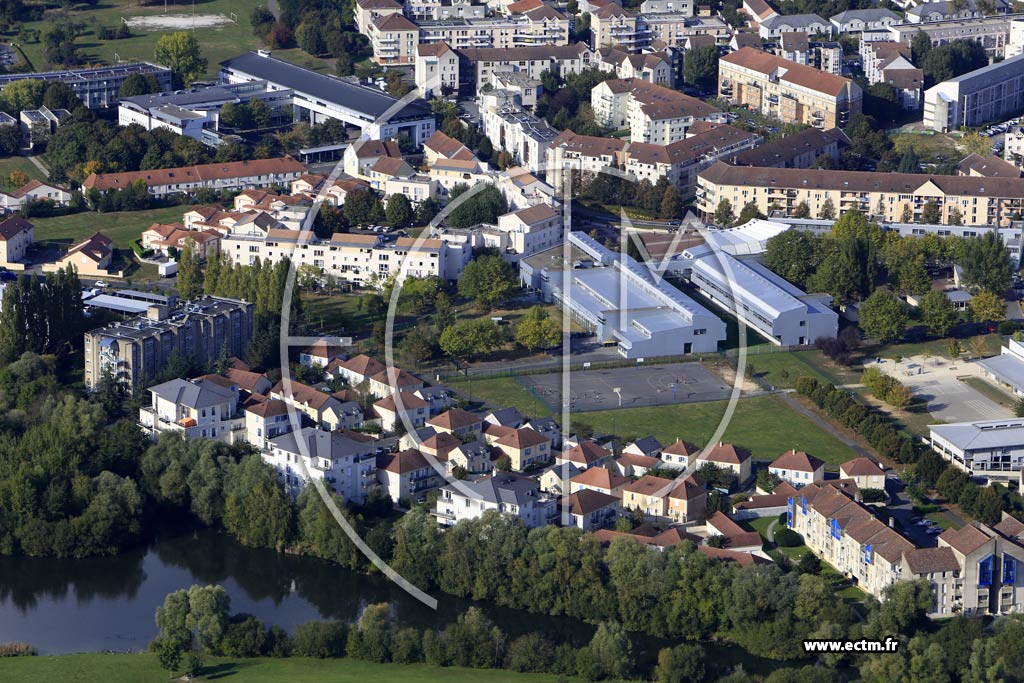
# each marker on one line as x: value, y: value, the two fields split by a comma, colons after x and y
x: 512, y: 341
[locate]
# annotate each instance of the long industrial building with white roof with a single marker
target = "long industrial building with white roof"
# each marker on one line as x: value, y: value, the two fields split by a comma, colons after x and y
x: 621, y: 301
x: 992, y: 448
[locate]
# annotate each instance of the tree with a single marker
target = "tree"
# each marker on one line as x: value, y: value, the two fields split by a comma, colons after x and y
x: 985, y: 263
x: 399, y: 211
x: 309, y: 36
x: 536, y: 330
x: 363, y: 208
x: 920, y: 46
x: 681, y: 664
x: 671, y: 203
x: 180, y: 52
x: 25, y: 94
x: 700, y: 67
x: 489, y: 279
x: 723, y: 214
x: 937, y: 313
x: 609, y: 654
x: 139, y: 84
x: 882, y: 316
x: 395, y: 84
x: 444, y: 312
x: 208, y: 611
x: 748, y: 213
x: 988, y: 307
x: 801, y: 210
x: 470, y: 338
x: 855, y: 225
x: 483, y: 207
x: 794, y: 255
x: 930, y: 212
x: 827, y: 211
x: 190, y: 273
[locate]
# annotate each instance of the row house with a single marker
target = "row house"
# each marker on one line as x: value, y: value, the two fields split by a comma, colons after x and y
x: 344, y: 464
x: 508, y: 494
x: 653, y: 67
x: 981, y: 201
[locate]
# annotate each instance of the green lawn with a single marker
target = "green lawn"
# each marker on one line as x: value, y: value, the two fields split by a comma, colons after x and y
x: 17, y: 163
x: 782, y: 369
x: 929, y: 148
x: 982, y: 345
x: 501, y: 392
x: 217, y: 44
x: 143, y: 668
x: 123, y: 227
x: 764, y: 425
x: 940, y: 519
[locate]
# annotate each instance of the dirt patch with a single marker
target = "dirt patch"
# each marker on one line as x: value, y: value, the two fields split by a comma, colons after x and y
x: 177, y: 22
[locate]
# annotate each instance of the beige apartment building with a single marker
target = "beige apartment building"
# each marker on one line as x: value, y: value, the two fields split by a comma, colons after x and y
x: 612, y: 26
x: 393, y: 39
x: 651, y: 112
x: 437, y: 69
x: 16, y: 236
x: 787, y: 91
x: 980, y: 201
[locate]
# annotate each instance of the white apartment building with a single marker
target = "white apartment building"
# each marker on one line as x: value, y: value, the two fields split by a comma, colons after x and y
x: 509, y: 494
x: 197, y: 409
x: 992, y: 32
x: 774, y: 27
x: 437, y: 69
x: 771, y: 306
x: 991, y: 93
x: 651, y: 112
x: 533, y: 229
x: 345, y: 465
x: 858, y: 20
x: 522, y: 135
x: 562, y: 60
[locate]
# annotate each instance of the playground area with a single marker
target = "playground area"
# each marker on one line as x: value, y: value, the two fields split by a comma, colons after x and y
x: 176, y: 22
x: 629, y: 387
x: 943, y: 385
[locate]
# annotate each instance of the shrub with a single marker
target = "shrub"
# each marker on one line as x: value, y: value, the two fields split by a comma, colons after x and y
x: 873, y: 495
x: 787, y: 538
x: 320, y: 639
x: 1008, y: 327
x: 17, y: 650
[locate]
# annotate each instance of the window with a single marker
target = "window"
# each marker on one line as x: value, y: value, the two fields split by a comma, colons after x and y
x: 985, y: 572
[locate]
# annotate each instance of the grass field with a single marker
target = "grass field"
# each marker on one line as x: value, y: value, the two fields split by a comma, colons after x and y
x: 501, y: 392
x: 217, y: 44
x: 123, y: 227
x: 783, y: 369
x: 17, y: 163
x: 930, y: 149
x: 766, y: 426
x: 143, y: 668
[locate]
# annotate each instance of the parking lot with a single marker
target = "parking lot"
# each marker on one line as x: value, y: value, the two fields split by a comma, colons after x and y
x: 937, y: 381
x: 591, y: 390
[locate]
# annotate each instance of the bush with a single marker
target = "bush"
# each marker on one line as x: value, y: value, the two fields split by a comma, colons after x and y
x: 17, y: 650
x: 873, y: 495
x: 787, y: 538
x: 320, y: 639
x: 1008, y: 327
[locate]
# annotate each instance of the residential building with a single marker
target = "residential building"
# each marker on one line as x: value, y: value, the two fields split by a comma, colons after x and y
x: 776, y: 26
x: 441, y: 147
x: 878, y: 54
x: 790, y: 92
x: 34, y: 191
x: 533, y: 229
x: 234, y: 175
x: 266, y: 420
x: 522, y: 135
x: 778, y: 310
x: 318, y: 97
x: 687, y: 501
x: 992, y: 32
x: 858, y: 20
x: 945, y: 10
x: 591, y: 510
x: 732, y: 535
x: 727, y: 457
x: 136, y: 349
x: 90, y: 258
x: 597, y: 478
x: 478, y: 65
x: 393, y: 39
x: 16, y: 236
x: 987, y: 167
x: 394, y: 379
x: 509, y: 494
x: 652, y: 113
x: 799, y: 150
x: 798, y: 468
x: 679, y: 455
x: 986, y: 578
x: 758, y: 11
x: 366, y: 11
x: 613, y: 26
x: 993, y: 449
x: 345, y: 465
x: 524, y: 447
x: 848, y: 536
x: 195, y: 409
x: 649, y: 496
x: 357, y: 369
x: 864, y: 472
x: 390, y: 413
x: 320, y: 354
x: 323, y: 409
x: 990, y: 93
x: 653, y: 67
x: 622, y: 303
x: 406, y: 476
x: 98, y: 88
x: 981, y: 201
x: 461, y: 423
x: 585, y: 454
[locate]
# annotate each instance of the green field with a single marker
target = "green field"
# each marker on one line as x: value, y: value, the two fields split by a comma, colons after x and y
x: 218, y: 44
x: 143, y: 668
x: 11, y: 164
x: 782, y: 369
x: 501, y: 392
x: 123, y: 227
x: 765, y: 425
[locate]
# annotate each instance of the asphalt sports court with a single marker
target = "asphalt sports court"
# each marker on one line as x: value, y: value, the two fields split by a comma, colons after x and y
x: 643, y: 385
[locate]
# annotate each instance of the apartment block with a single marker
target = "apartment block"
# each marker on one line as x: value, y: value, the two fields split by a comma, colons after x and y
x: 478, y: 64
x: 136, y: 349
x: 981, y: 201
x: 437, y: 69
x: 992, y: 32
x: 990, y: 93
x: 98, y: 88
x: 652, y: 113
x: 789, y: 92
